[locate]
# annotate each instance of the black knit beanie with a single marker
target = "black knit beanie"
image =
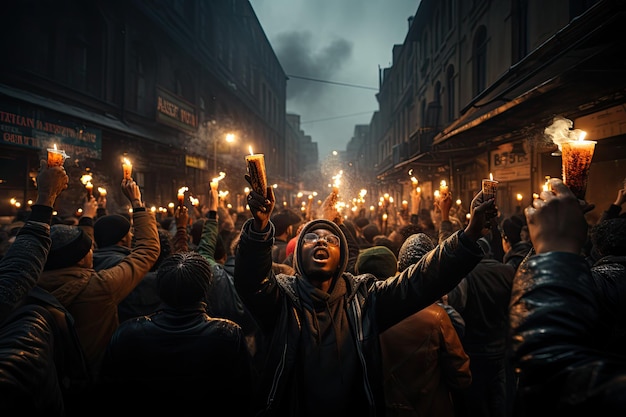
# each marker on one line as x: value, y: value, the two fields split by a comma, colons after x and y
x: 110, y: 229
x: 413, y: 249
x: 70, y: 244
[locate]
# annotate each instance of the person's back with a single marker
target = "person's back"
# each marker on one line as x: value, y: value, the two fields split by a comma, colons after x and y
x: 423, y: 364
x: 608, y: 239
x: 42, y: 366
x: 482, y: 299
x: 179, y: 354
x: 92, y: 296
x: 144, y: 298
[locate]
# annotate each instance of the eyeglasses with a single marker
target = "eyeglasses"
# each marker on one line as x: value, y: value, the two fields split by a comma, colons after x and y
x: 331, y: 239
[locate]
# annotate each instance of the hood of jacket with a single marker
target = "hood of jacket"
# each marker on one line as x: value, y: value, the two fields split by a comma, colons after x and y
x: 325, y: 225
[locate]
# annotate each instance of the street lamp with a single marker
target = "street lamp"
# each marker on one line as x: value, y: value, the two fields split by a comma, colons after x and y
x: 230, y: 138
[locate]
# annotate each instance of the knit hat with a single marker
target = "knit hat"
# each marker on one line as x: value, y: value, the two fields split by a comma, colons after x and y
x: 70, y: 244
x: 370, y: 231
x: 283, y: 220
x: 413, y: 249
x: 512, y: 227
x: 377, y: 260
x: 110, y: 229
x: 608, y: 237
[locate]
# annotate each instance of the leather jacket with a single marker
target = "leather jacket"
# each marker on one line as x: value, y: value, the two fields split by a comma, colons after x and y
x: 371, y: 306
x: 424, y: 363
x: 556, y: 336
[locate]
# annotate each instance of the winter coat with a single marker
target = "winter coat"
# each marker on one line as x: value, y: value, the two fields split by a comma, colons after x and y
x: 557, y: 333
x: 23, y: 262
x: 302, y: 321
x: 92, y: 296
x: 609, y: 276
x: 177, y: 361
x: 424, y: 362
x: 42, y: 365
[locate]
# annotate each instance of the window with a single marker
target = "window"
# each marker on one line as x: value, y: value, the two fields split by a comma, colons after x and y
x: 142, y: 69
x: 479, y: 64
x: 520, y: 30
x: 450, y: 91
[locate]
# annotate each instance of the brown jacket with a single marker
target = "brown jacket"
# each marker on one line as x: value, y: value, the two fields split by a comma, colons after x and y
x: 92, y: 297
x: 423, y: 362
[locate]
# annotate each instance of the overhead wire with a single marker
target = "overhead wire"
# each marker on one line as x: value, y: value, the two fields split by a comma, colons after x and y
x: 334, y: 83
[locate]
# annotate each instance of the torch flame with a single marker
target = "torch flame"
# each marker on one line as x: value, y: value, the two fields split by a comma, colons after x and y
x: 250, y: 149
x: 85, y: 179
x: 182, y: 190
x: 219, y: 178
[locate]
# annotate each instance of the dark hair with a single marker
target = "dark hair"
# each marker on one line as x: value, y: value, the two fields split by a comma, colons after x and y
x: 184, y: 279
x: 370, y: 232
x: 165, y: 238
x: 409, y: 229
x: 609, y: 238
x: 386, y: 242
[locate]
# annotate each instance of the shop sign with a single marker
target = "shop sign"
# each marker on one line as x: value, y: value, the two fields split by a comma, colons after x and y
x: 508, y: 166
x: 33, y: 128
x: 174, y: 111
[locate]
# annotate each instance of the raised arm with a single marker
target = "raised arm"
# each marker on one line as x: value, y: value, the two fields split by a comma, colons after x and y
x: 22, y: 264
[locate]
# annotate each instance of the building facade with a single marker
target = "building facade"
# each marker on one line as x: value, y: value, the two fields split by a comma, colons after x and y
x: 474, y: 86
x: 159, y: 82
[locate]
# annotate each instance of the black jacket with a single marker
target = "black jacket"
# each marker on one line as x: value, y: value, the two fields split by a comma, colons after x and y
x: 179, y: 358
x: 557, y: 336
x: 368, y: 307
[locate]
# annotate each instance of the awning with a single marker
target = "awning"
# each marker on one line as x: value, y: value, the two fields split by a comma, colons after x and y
x: 107, y: 121
x: 577, y: 71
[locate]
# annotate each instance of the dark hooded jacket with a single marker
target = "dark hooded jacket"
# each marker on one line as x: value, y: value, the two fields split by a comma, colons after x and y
x: 324, y: 354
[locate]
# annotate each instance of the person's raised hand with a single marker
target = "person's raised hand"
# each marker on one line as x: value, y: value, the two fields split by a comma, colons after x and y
x: 181, y: 216
x: 556, y: 220
x: 329, y: 208
x: 480, y: 211
x: 132, y: 192
x: 90, y: 208
x: 51, y: 181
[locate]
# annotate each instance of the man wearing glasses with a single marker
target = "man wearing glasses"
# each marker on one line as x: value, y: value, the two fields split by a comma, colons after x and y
x: 323, y: 323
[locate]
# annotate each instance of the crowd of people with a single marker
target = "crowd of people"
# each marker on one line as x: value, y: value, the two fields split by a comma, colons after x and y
x: 269, y: 313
